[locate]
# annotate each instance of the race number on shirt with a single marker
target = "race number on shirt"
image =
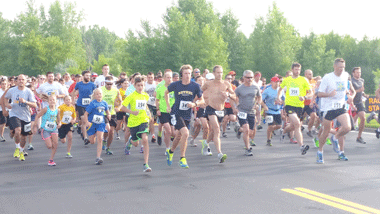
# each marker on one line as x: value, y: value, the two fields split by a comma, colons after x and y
x: 86, y: 101
x: 173, y: 120
x: 183, y: 105
x: 269, y: 119
x: 28, y: 127
x: 242, y: 115
x: 219, y: 113
x: 294, y: 91
x: 49, y: 125
x: 337, y: 105
x: 66, y: 119
x: 140, y: 104
x: 98, y: 119
x: 152, y: 99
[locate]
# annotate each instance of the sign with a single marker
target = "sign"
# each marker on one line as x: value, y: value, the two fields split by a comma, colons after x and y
x: 372, y: 104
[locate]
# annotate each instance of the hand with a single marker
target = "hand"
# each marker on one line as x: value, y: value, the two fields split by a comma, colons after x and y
x: 135, y: 113
x: 311, y: 105
x: 73, y: 121
x: 191, y: 105
x: 301, y: 98
x: 158, y: 112
x: 203, y: 105
x: 277, y: 101
x: 8, y: 105
x: 349, y: 99
x: 224, y: 94
x: 333, y: 93
x: 34, y: 129
x: 88, y: 124
x: 21, y: 100
x: 59, y: 125
x: 235, y: 110
x: 168, y: 109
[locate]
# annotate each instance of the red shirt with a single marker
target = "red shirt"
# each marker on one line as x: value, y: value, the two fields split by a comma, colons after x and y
x: 72, y: 87
x: 227, y: 103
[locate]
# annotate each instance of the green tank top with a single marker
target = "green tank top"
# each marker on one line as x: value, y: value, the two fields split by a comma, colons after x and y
x: 109, y: 96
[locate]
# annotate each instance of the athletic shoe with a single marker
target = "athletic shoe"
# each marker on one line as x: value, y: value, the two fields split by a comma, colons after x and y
x: 109, y: 152
x: 228, y: 127
x: 79, y: 130
x: 104, y: 145
x: 81, y: 134
x: 252, y: 142
x: 320, y: 158
x: 269, y: 143
x: 309, y: 134
x: 377, y: 133
x: 282, y: 136
x: 248, y: 152
x: 153, y: 139
x: 51, y: 163
x: 159, y: 140
x: 335, y: 144
x: 75, y: 125
x: 314, y: 132
x: 274, y: 133
x: 371, y: 117
x: 30, y: 147
x: 259, y: 127
x: 183, y: 163
x: 224, y: 134
x: 238, y: 133
x: 222, y: 157
x: 292, y: 140
x: 98, y: 161
x: 21, y: 158
x: 169, y: 157
x: 192, y: 144
x: 86, y: 141
x: 16, y: 154
x: 304, y: 149
x: 360, y: 140
x: 68, y: 155
x: 264, y: 121
x: 25, y: 153
x: 356, y: 128
x: 204, y: 147
x: 316, y: 142
x: 141, y: 149
x: 128, y: 146
x: 342, y: 157
x: 328, y: 141
x: 117, y: 136
x: 2, y: 139
x: 147, y: 168
x: 209, y: 153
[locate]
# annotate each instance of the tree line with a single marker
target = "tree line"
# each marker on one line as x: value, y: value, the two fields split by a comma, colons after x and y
x: 40, y: 40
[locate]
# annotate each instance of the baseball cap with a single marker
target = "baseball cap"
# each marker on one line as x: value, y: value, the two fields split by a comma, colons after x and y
x: 232, y: 73
x: 94, y: 74
x: 210, y: 76
x: 275, y: 79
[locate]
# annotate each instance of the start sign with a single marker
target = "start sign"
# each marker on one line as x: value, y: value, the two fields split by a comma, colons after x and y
x: 372, y: 104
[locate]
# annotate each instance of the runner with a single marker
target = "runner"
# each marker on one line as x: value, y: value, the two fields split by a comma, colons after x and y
x: 218, y: 91
x: 33, y: 116
x: 229, y: 113
x: 49, y: 127
x: 100, y: 80
x: 50, y: 88
x: 67, y: 117
x: 333, y: 91
x: 120, y: 116
x: 19, y: 114
x: 257, y: 80
x: 186, y: 94
x: 150, y: 88
x: 3, y: 119
x: 297, y: 90
x: 68, y: 80
x: 308, y: 109
x: 138, y: 120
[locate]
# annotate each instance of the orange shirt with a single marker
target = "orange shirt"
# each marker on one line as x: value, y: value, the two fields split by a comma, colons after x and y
x: 312, y: 83
x: 227, y: 103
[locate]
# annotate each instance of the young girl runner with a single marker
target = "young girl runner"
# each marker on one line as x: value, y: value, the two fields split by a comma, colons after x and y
x: 121, y: 115
x: 49, y: 126
x: 138, y: 119
x: 67, y: 116
x: 94, y: 118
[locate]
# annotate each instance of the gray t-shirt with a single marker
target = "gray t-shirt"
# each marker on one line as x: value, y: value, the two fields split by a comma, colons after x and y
x: 247, y: 95
x: 20, y: 110
x: 358, y: 83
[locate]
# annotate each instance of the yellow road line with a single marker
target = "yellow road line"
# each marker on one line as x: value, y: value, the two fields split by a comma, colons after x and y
x: 323, y: 201
x: 332, y: 198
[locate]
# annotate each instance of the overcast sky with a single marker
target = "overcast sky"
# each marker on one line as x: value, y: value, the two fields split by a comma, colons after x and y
x: 355, y: 18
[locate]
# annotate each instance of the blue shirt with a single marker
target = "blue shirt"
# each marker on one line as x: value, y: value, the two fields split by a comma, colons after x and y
x: 85, y: 91
x: 269, y: 96
x: 96, y: 108
x: 183, y: 95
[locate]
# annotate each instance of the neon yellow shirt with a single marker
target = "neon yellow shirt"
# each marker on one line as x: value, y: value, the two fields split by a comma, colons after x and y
x: 295, y: 88
x: 109, y: 96
x: 160, y: 95
x: 138, y: 102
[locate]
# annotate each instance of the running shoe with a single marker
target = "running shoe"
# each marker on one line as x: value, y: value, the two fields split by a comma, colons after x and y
x: 248, y: 152
x: 282, y: 136
x: 75, y: 125
x: 154, y: 139
x: 304, y: 149
x: 292, y: 140
x: 264, y: 121
x: 142, y: 149
x: 25, y: 153
x: 320, y: 158
x: 316, y: 142
x: 309, y: 134
x: 81, y: 134
x: 228, y: 126
x: 128, y: 146
x: 209, y: 153
x: 183, y: 163
x: 21, y: 158
x: 98, y: 161
x: 109, y: 152
x: 360, y: 140
x: 192, y: 144
x: 224, y: 135
x: 51, y: 163
x: 68, y: 155
x: 30, y: 147
x: 371, y: 117
x: 159, y: 140
x: 377, y: 133
x: 238, y: 132
x: 269, y: 143
x: 104, y: 145
x: 147, y: 168
x: 204, y: 147
x: 252, y: 142
x: 169, y: 157
x: 342, y: 157
x: 16, y: 154
x: 259, y: 127
x: 117, y: 136
x: 328, y: 141
x: 335, y: 144
x: 86, y: 141
x: 2, y: 139
x: 222, y: 157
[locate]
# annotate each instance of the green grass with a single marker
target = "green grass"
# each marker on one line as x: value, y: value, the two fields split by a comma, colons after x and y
x: 372, y: 124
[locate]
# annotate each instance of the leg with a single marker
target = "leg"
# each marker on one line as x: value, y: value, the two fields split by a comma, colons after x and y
x: 168, y: 133
x: 99, y: 136
x: 69, y: 141
x: 294, y: 120
x: 184, y: 135
x: 214, y: 124
x: 245, y: 128
x: 361, y: 115
x: 144, y: 141
x: 326, y: 126
x: 54, y: 144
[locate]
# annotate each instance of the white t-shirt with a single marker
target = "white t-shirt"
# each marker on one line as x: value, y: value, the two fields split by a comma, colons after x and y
x: 150, y: 89
x: 260, y: 83
x: 65, y: 90
x: 68, y: 84
x: 49, y: 89
x: 100, y: 81
x: 332, y: 82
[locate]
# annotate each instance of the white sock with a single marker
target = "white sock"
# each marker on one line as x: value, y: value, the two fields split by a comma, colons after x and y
x: 17, y: 145
x: 340, y: 152
x: 320, y: 152
x: 21, y: 149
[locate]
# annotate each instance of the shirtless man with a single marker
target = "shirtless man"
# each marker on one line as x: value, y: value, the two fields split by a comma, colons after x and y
x: 218, y: 90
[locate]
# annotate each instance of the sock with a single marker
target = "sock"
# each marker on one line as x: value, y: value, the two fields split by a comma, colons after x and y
x: 319, y: 152
x: 340, y: 152
x: 21, y: 149
x: 17, y: 145
x: 159, y: 134
x: 167, y: 148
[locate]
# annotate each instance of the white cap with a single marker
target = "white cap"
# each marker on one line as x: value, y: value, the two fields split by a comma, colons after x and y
x: 210, y: 76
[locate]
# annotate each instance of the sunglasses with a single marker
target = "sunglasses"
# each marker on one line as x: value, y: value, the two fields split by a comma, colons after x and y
x: 249, y: 77
x: 109, y: 84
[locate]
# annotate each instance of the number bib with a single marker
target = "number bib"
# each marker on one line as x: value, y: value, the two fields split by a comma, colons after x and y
x: 28, y: 127
x: 50, y: 126
x: 86, y: 101
x: 140, y: 104
x: 269, y: 119
x: 66, y: 119
x: 294, y: 91
x: 152, y: 99
x: 173, y: 120
x: 183, y: 105
x: 219, y: 113
x: 337, y: 105
x: 98, y: 119
x: 242, y: 115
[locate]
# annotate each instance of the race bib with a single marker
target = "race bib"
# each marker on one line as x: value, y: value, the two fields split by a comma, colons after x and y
x: 242, y: 115
x: 183, y: 105
x: 269, y: 119
x: 110, y: 108
x: 28, y: 127
x: 66, y: 119
x: 337, y: 105
x: 294, y: 91
x: 140, y: 104
x: 227, y: 100
x: 50, y: 125
x: 219, y: 113
x: 152, y: 99
x: 98, y: 119
x: 86, y: 101
x: 173, y: 120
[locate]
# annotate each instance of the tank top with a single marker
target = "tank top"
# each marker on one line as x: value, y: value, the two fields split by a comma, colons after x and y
x: 109, y: 96
x: 49, y: 120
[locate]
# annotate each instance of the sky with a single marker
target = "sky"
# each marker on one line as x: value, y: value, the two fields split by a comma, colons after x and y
x: 353, y: 18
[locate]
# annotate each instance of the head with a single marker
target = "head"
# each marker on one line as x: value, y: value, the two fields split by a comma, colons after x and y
x: 264, y: 80
x: 339, y: 66
x: 275, y: 81
x: 97, y: 94
x: 122, y: 75
x: 58, y: 75
x: 78, y: 78
x: 12, y: 81
x: 108, y: 82
x: 159, y: 72
x: 210, y: 76
x: 93, y: 76
x: 106, y: 70
x: 168, y: 76
x: 150, y: 77
x: 61, y: 81
x: 124, y: 83
x: 185, y: 72
x: 218, y: 72
x: 52, y: 100
x: 3, y: 84
x: 228, y: 78
x: 200, y: 80
x: 67, y: 77
x: 86, y: 76
x: 248, y: 77
x: 132, y: 78
x: 197, y: 72
x: 309, y: 74
x: 50, y: 77
x: 42, y: 79
x: 175, y: 76
x: 296, y: 69
x: 21, y: 80
x: 139, y: 84
x: 257, y: 76
x: 357, y: 72
x: 233, y: 75
x: 288, y: 73
x: 67, y: 100
x: 205, y: 72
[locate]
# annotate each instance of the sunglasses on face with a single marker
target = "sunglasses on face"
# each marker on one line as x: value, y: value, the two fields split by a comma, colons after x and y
x: 249, y: 77
x: 109, y: 84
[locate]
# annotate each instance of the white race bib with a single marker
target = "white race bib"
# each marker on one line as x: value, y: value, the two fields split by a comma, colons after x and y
x: 98, y: 119
x: 152, y: 99
x: 269, y: 119
x: 242, y: 115
x: 173, y: 120
x: 294, y: 91
x: 86, y: 101
x: 140, y: 104
x: 183, y: 105
x: 28, y: 127
x: 337, y: 105
x: 50, y: 125
x: 219, y: 113
x: 66, y: 119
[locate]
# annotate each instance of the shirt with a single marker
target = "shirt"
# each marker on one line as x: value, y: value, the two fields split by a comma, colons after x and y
x: 20, y: 110
x: 100, y: 80
x: 66, y: 113
x: 96, y: 111
x: 50, y: 89
x: 269, y: 97
x: 150, y: 89
x: 247, y: 95
x: 332, y: 82
x: 137, y: 102
x: 109, y: 96
x: 358, y: 83
x: 85, y: 90
x: 295, y: 88
x: 160, y: 95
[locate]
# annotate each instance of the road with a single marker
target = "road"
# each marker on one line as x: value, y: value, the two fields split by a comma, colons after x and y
x: 263, y: 183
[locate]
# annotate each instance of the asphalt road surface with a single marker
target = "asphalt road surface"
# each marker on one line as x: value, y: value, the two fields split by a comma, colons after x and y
x: 275, y: 179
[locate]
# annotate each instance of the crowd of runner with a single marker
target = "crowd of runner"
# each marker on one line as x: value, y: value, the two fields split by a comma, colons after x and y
x: 101, y: 108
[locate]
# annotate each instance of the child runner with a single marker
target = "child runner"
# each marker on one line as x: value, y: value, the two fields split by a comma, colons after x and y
x: 67, y: 116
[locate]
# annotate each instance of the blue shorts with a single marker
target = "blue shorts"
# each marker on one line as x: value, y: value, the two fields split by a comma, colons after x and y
x: 33, y: 117
x: 96, y: 128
